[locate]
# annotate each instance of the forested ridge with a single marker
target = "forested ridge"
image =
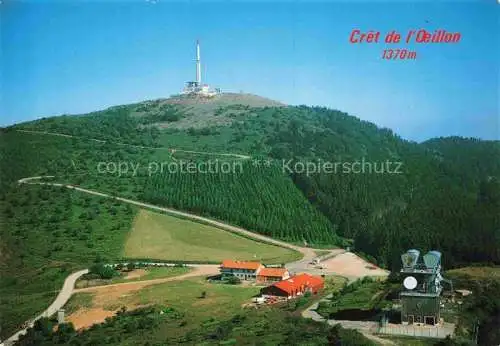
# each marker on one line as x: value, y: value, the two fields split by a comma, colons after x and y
x: 262, y: 199
x: 446, y: 196
x: 112, y: 125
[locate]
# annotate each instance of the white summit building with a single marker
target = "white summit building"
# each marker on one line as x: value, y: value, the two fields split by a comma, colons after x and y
x: 195, y: 88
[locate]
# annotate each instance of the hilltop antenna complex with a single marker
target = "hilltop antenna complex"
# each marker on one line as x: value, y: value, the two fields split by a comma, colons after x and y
x: 420, y: 297
x: 196, y: 88
x: 198, y: 63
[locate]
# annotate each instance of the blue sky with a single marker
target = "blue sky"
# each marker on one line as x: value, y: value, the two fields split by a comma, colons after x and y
x: 68, y: 58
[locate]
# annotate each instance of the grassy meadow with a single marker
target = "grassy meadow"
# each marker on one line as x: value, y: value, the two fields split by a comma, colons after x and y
x: 166, y: 237
x: 478, y: 272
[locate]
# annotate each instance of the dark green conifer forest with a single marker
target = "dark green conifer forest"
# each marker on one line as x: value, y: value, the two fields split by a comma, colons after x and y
x: 446, y: 196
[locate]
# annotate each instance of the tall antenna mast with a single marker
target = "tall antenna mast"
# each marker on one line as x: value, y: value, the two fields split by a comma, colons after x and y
x: 198, y: 63
x: 194, y: 87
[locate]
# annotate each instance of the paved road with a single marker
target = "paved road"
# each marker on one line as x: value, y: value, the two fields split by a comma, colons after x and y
x: 58, y: 303
x: 305, y: 265
x: 365, y: 327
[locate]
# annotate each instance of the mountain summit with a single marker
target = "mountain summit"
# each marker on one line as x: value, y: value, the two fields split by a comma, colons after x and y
x: 224, y: 99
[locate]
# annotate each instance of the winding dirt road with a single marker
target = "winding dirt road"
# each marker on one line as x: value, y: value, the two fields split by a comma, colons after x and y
x: 308, y: 253
x: 302, y: 265
x: 61, y: 299
x: 198, y: 270
x: 239, y: 156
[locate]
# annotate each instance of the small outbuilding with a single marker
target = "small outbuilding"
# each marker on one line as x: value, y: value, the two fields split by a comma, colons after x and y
x: 270, y: 275
x: 463, y: 293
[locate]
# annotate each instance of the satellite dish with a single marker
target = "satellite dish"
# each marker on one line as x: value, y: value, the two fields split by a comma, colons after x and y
x: 410, y: 258
x: 432, y: 259
x: 410, y: 283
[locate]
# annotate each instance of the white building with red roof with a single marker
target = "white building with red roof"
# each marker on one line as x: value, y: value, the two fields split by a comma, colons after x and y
x: 270, y: 275
x: 243, y: 270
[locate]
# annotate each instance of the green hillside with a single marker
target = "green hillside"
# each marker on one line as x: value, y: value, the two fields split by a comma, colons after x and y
x: 48, y: 232
x: 271, y: 205
x: 437, y: 200
x: 446, y: 195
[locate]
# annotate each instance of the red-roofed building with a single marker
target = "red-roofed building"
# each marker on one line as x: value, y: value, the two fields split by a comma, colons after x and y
x: 295, y: 286
x: 241, y: 269
x: 272, y: 275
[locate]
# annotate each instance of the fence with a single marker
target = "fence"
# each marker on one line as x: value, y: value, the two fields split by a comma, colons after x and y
x: 438, y: 332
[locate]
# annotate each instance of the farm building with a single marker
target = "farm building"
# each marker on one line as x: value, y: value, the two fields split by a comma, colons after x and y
x: 241, y: 269
x: 294, y: 286
x: 268, y: 275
